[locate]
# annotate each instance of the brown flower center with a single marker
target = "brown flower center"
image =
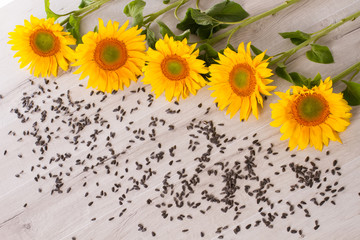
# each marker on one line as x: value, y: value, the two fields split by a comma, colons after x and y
x: 310, y: 109
x: 242, y: 80
x: 110, y: 54
x: 174, y: 68
x: 44, y: 43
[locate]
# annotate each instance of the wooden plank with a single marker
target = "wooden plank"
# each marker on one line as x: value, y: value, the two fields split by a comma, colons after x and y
x: 67, y: 215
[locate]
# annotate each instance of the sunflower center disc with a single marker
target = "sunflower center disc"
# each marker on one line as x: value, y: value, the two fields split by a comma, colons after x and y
x: 310, y: 110
x: 44, y: 43
x: 174, y: 68
x: 110, y: 54
x: 241, y: 80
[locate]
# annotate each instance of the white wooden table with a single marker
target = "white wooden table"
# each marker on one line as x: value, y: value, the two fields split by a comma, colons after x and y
x: 92, y: 204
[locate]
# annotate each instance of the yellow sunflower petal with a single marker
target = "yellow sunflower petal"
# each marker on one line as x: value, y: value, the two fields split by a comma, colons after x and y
x: 245, y: 108
x: 316, y: 137
x: 304, y: 137
x: 288, y: 130
x: 177, y: 69
x: 294, y: 139
x: 38, y: 43
x: 116, y: 56
x: 234, y: 107
x: 317, y: 115
x: 237, y: 74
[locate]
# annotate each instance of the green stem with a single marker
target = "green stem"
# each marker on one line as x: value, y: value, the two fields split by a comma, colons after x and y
x: 250, y: 20
x: 85, y: 11
x: 95, y: 5
x: 64, y: 21
x: 315, y: 37
x: 65, y: 14
x: 355, y: 67
x: 153, y: 16
x: 355, y: 73
x: 177, y: 9
x: 314, y: 33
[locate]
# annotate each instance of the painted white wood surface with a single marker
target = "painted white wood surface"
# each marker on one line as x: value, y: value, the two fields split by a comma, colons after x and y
x: 65, y: 216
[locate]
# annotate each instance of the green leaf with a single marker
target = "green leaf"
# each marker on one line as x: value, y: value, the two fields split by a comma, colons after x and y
x: 135, y: 10
x: 352, y: 93
x: 317, y: 78
x: 199, y: 26
x: 205, y: 32
x: 227, y: 11
x: 297, y: 37
x: 205, y: 24
x: 209, y: 50
x: 228, y: 46
x: 281, y: 72
x: 202, y: 18
x: 165, y: 30
x: 185, y: 34
x: 73, y: 26
x: 188, y: 22
x: 281, y: 64
x: 316, y: 81
x: 49, y: 13
x: 231, y: 47
x: 320, y: 54
x: 96, y: 29
x: 166, y: 1
x: 150, y: 37
x: 208, y: 54
x: 298, y: 79
x: 85, y: 3
x: 257, y: 51
x: 295, y: 78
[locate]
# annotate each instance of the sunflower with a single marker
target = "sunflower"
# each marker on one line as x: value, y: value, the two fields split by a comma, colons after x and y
x: 112, y: 57
x: 238, y: 81
x: 174, y: 68
x: 311, y: 116
x: 43, y: 45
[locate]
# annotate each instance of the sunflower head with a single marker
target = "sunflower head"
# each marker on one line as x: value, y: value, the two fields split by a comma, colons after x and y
x: 173, y: 67
x: 42, y: 44
x: 311, y: 116
x: 112, y: 57
x: 238, y: 80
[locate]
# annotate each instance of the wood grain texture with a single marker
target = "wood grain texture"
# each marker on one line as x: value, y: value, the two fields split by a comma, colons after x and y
x: 67, y: 215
